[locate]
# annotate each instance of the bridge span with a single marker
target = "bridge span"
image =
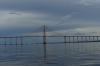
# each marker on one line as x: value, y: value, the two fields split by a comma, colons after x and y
x: 44, y: 36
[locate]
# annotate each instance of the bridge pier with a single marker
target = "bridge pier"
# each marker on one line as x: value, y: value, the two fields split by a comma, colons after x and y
x: 97, y: 38
x: 69, y: 39
x: 64, y: 39
x: 44, y: 35
x: 73, y: 38
x: 89, y: 38
x: 10, y: 41
x: 16, y: 40
x: 81, y: 39
x: 21, y: 41
x: 5, y: 41
x: 86, y: 38
x: 44, y: 39
x: 93, y: 38
x: 77, y: 39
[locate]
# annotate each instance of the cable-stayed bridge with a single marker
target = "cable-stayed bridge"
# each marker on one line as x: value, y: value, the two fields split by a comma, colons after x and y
x: 45, y: 35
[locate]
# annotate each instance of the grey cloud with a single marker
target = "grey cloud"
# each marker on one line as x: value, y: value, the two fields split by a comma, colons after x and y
x: 14, y: 13
x: 82, y: 16
x: 88, y: 2
x: 64, y: 22
x: 54, y: 7
x: 93, y: 32
x: 58, y: 7
x: 75, y: 13
x: 84, y: 2
x: 79, y: 34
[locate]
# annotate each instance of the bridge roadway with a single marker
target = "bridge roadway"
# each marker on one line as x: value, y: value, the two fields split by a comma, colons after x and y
x: 43, y: 36
x: 70, y: 39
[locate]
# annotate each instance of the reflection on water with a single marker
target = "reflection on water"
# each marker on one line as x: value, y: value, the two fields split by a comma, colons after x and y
x: 68, y: 54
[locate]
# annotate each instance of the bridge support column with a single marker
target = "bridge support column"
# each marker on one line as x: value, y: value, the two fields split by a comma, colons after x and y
x: 97, y: 38
x: 65, y: 39
x: 16, y: 40
x: 69, y: 39
x: 73, y: 38
x: 89, y: 38
x: 10, y: 41
x: 5, y: 41
x: 93, y: 38
x: 44, y: 39
x: 86, y: 38
x: 44, y: 35
x: 21, y: 40
x: 77, y: 39
x: 81, y: 39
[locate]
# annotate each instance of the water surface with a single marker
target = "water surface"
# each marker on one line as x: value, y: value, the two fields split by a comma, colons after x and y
x: 69, y: 54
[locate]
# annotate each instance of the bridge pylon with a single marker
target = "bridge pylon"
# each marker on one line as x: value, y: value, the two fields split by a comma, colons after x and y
x: 44, y: 35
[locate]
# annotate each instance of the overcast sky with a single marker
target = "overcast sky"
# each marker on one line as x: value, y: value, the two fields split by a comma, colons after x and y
x: 70, y: 17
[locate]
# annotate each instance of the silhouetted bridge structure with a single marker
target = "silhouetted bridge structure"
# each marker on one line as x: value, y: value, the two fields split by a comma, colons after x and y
x: 43, y: 34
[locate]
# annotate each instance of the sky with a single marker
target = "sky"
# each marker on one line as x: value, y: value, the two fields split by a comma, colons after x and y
x: 68, y: 17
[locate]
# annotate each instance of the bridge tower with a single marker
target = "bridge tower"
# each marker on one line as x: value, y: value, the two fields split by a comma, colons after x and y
x: 44, y: 35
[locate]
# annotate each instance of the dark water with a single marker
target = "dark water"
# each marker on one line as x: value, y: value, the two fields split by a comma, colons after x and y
x: 69, y: 54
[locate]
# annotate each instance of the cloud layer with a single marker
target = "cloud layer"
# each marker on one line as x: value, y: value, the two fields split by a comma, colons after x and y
x: 57, y: 14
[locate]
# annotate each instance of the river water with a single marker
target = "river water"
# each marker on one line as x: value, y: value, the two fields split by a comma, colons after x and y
x: 69, y: 54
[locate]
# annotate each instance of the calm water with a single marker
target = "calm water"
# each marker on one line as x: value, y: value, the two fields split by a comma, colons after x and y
x: 69, y: 54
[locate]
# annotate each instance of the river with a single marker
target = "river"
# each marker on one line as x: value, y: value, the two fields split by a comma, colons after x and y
x: 63, y: 54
